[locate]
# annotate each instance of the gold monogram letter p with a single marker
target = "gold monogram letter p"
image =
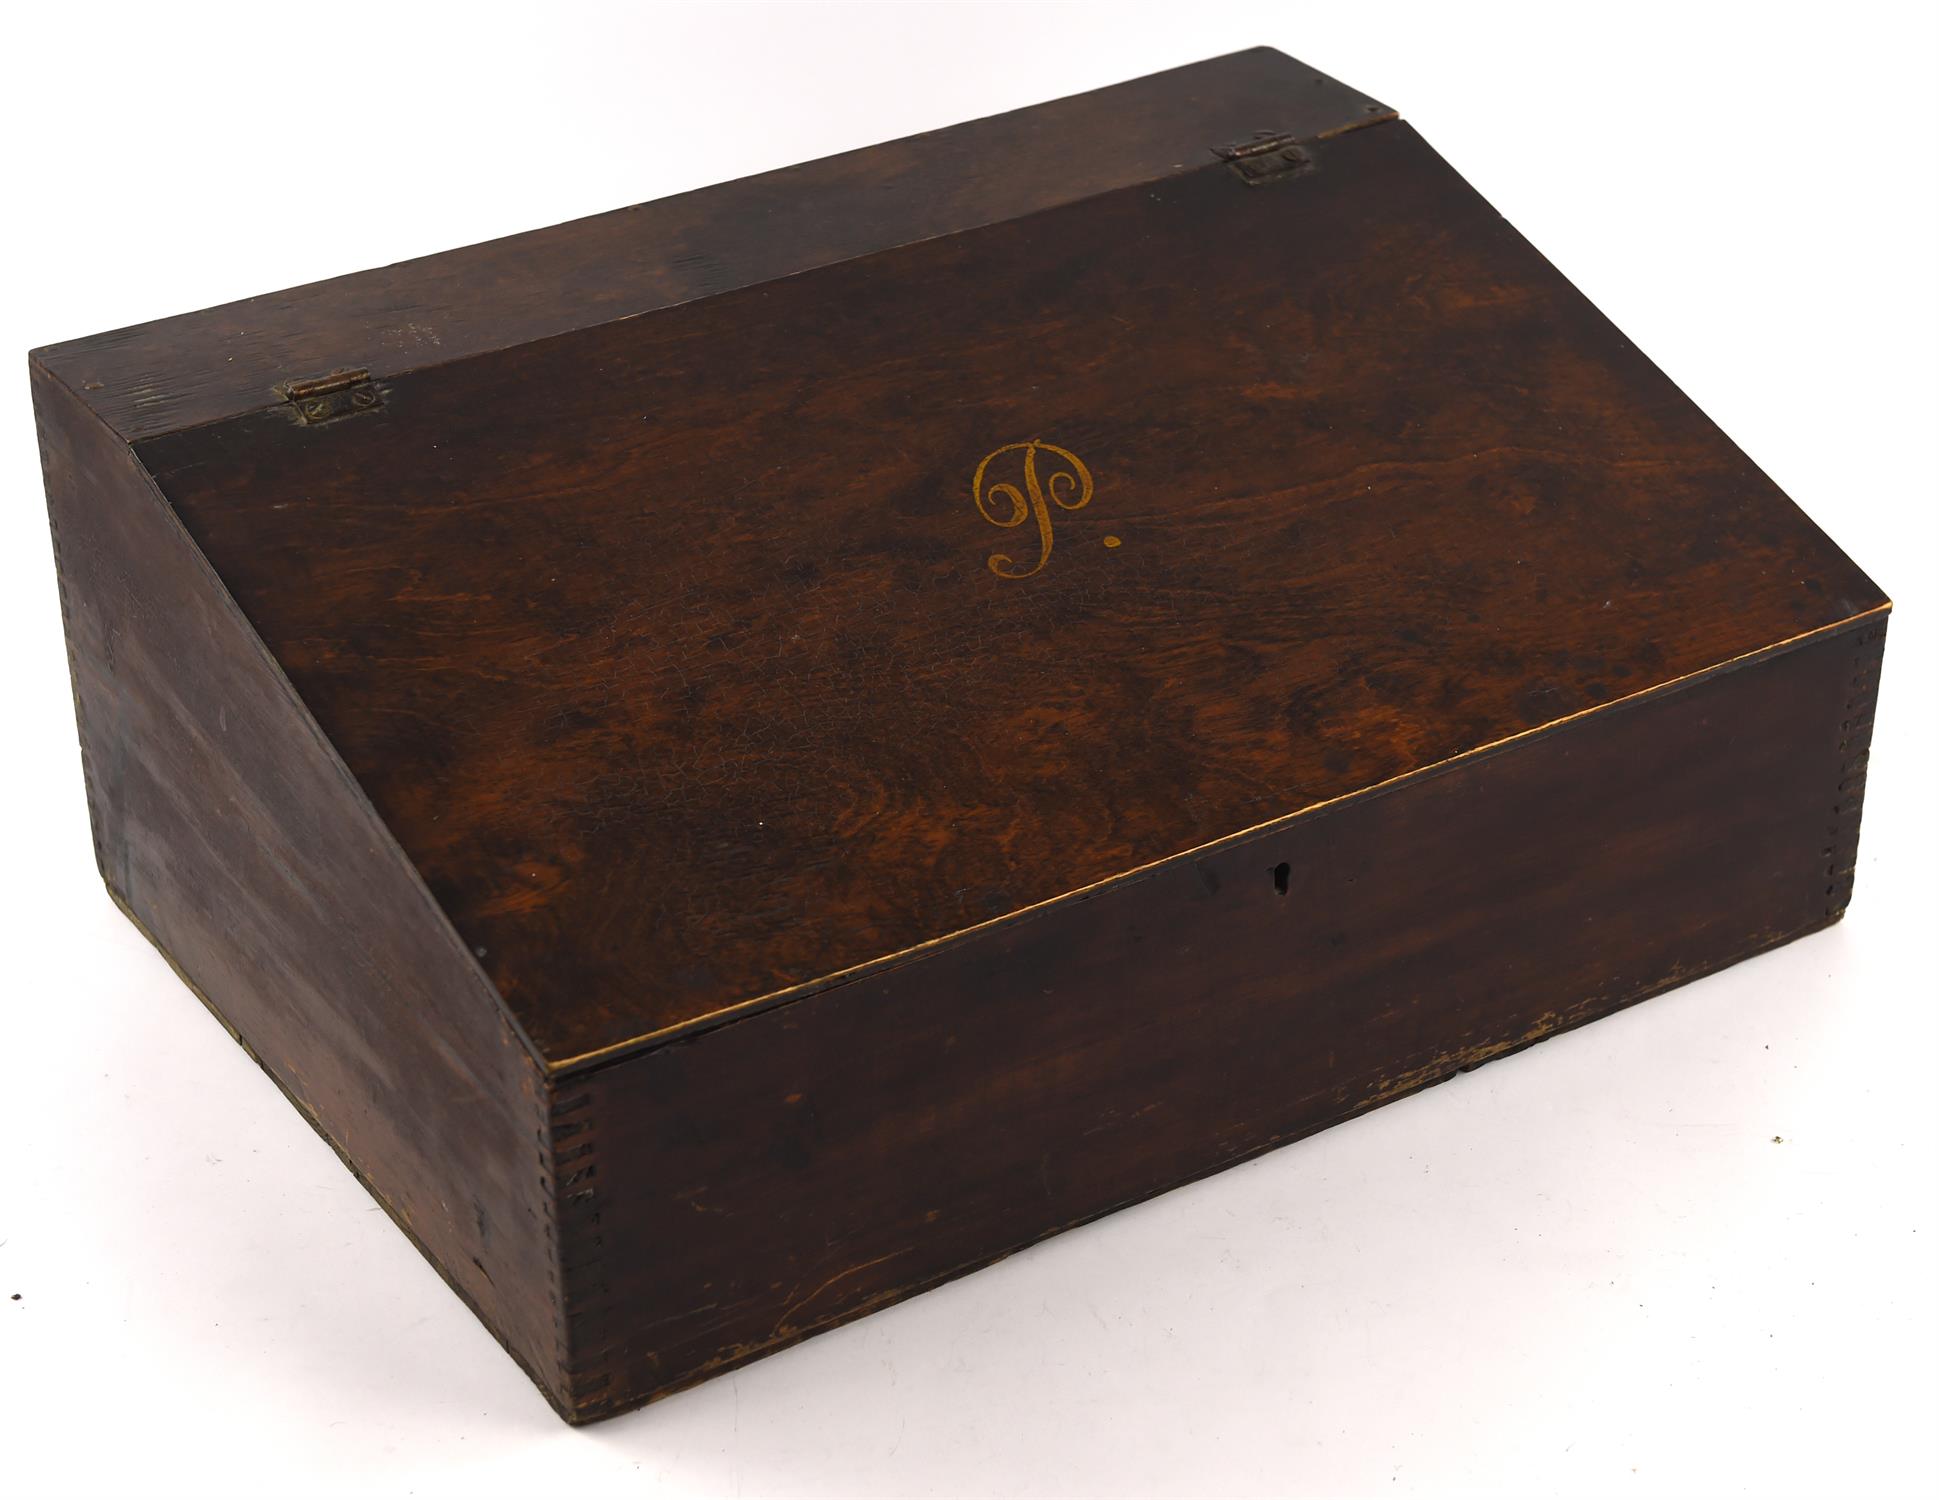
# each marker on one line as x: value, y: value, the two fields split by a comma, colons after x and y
x: 1065, y: 481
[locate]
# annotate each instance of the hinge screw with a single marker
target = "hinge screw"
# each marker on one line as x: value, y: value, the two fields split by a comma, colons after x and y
x: 316, y: 409
x: 363, y: 396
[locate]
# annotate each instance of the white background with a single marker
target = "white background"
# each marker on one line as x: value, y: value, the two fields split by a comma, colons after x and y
x: 1589, y: 1269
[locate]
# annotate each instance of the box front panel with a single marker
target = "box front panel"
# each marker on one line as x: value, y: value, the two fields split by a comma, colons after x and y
x: 792, y: 1170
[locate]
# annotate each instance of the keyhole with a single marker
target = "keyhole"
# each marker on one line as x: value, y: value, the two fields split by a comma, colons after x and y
x: 1282, y: 876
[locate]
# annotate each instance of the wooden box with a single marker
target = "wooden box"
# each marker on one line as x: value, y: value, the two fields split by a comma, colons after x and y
x: 747, y: 756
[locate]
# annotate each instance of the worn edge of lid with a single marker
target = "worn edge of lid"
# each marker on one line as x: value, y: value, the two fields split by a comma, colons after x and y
x: 619, y: 1051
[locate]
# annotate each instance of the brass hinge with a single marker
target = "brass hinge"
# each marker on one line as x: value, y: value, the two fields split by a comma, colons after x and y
x: 1266, y: 158
x: 324, y: 398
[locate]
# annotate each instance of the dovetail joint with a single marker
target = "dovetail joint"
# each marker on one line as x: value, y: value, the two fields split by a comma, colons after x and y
x: 569, y: 1176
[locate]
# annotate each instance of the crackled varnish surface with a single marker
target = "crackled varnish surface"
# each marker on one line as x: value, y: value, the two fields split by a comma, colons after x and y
x: 740, y: 772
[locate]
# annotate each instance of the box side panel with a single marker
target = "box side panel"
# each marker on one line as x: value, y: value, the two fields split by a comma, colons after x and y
x: 784, y: 1173
x: 227, y: 829
x: 205, y: 365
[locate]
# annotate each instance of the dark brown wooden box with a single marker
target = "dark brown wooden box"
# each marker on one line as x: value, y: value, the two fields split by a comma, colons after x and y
x: 747, y: 756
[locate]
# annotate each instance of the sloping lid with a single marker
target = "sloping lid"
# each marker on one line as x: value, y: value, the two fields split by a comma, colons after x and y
x: 703, y: 656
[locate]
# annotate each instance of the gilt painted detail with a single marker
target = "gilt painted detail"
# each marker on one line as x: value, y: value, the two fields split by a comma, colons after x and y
x: 1022, y: 481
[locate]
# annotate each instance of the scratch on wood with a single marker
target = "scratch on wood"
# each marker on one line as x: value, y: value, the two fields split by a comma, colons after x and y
x: 783, y: 1327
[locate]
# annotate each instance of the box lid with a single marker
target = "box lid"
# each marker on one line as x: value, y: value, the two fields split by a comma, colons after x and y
x: 729, y: 595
